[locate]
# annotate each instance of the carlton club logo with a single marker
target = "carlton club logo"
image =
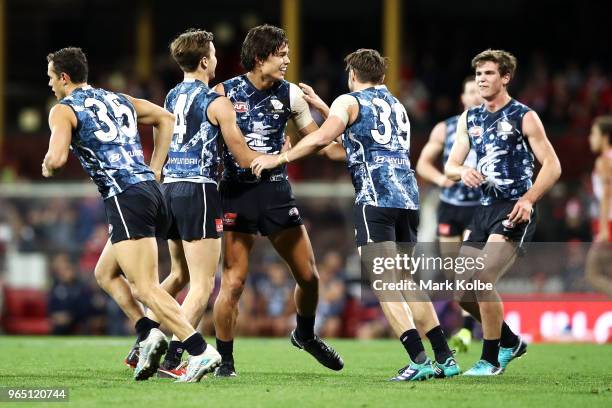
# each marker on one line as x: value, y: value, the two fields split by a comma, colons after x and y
x: 241, y: 107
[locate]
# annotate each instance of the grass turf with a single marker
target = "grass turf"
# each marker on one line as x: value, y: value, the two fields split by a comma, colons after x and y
x: 271, y: 372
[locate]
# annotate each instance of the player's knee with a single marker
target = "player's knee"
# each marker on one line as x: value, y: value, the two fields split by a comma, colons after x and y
x: 233, y: 288
x: 310, y: 282
x: 103, y: 276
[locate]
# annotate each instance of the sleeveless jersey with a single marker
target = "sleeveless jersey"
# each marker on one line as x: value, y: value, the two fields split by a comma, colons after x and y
x: 503, y: 152
x: 458, y: 194
x: 106, y: 140
x: 262, y: 117
x: 378, y: 149
x: 193, y: 155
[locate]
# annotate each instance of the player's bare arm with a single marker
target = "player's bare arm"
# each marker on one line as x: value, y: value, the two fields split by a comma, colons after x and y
x: 221, y: 113
x: 454, y: 168
x: 426, y: 167
x: 311, y: 97
x: 603, y: 168
x: 148, y: 113
x: 344, y: 110
x: 548, y: 174
x: 61, y: 122
x: 330, y: 130
x: 301, y: 97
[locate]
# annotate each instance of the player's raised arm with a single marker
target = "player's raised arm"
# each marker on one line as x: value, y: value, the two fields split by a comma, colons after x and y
x: 301, y: 97
x: 311, y: 97
x: 61, y: 122
x: 221, y: 112
x: 431, y: 152
x: 548, y: 174
x: 162, y: 121
x: 454, y: 168
x: 342, y: 112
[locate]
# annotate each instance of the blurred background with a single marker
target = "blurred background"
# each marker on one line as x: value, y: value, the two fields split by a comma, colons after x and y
x: 52, y: 233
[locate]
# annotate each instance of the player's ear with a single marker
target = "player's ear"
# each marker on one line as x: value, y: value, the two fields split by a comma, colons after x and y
x: 506, y: 79
x: 204, y: 63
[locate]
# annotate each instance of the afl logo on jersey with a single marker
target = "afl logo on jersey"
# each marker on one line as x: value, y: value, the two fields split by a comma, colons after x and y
x: 241, y: 107
x: 475, y: 131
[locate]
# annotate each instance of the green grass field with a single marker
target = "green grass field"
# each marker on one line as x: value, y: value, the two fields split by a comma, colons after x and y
x: 273, y: 373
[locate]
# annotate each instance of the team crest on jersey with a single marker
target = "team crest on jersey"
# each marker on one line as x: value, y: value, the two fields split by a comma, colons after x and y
x: 475, y: 131
x: 504, y: 128
x: 241, y: 107
x: 276, y: 106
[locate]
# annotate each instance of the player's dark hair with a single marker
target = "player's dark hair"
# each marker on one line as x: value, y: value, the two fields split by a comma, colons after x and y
x: 260, y: 42
x: 369, y: 66
x: 190, y: 47
x: 604, y: 123
x: 506, y: 62
x: 71, y: 61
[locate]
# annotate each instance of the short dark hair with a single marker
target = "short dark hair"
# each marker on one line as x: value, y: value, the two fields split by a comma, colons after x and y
x: 260, y: 42
x: 604, y: 123
x: 190, y: 47
x: 368, y: 65
x: 71, y: 61
x: 505, y: 61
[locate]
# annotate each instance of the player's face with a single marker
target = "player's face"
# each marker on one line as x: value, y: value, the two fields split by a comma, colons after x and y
x: 595, y: 139
x: 212, y: 61
x: 275, y: 66
x: 490, y: 82
x: 471, y: 96
x: 55, y: 82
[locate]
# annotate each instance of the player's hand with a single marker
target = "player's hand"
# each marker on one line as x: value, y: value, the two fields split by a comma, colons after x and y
x: 471, y: 177
x: 311, y: 97
x: 264, y: 162
x: 521, y: 212
x: 46, y: 172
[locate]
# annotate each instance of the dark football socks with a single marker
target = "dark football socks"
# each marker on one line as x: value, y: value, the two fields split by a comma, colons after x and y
x: 414, y: 346
x: 305, y: 327
x: 175, y: 352
x: 490, y: 351
x: 439, y: 344
x: 226, y: 349
x: 143, y: 327
x: 195, y: 344
x: 508, y: 338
